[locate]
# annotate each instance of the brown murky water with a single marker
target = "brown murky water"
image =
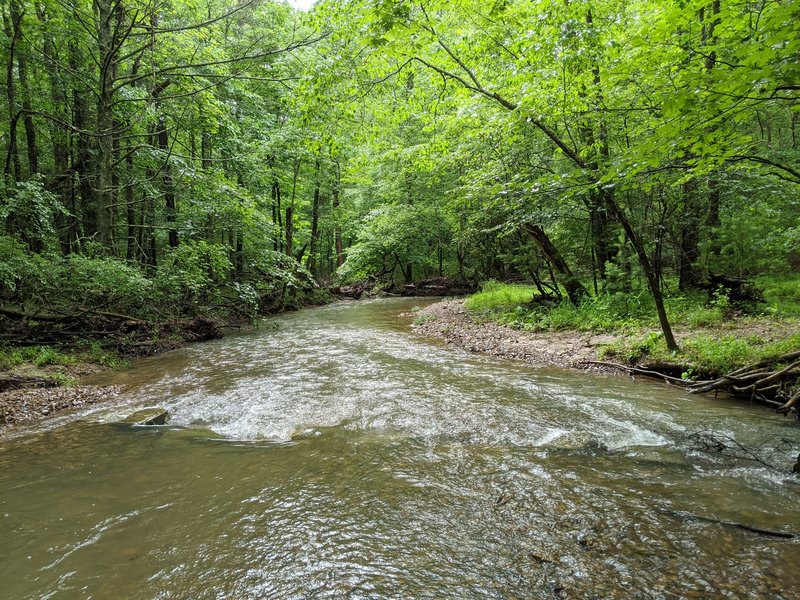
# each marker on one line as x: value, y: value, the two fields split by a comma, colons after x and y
x: 341, y: 456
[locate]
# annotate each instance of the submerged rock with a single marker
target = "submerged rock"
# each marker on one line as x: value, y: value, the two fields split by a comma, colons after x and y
x: 147, y: 416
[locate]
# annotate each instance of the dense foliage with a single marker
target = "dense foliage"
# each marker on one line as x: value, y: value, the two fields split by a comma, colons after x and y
x: 217, y: 154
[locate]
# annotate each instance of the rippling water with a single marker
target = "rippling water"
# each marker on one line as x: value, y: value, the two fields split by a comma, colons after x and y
x: 333, y: 454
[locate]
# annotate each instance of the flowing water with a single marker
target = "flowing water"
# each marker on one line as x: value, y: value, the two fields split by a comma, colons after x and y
x: 334, y: 454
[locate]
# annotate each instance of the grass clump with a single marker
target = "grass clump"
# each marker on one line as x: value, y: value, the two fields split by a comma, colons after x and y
x: 26, y: 357
x: 496, y: 296
x: 700, y: 355
x: 39, y: 356
x: 782, y: 295
x: 93, y: 352
x: 514, y: 305
x: 720, y: 355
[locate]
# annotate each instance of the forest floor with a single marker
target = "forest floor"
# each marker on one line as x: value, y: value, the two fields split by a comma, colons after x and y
x: 454, y: 323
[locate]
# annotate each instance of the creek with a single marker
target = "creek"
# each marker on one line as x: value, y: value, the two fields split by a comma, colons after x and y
x: 332, y: 453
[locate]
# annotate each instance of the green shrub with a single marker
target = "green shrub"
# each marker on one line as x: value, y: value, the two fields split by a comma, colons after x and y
x: 782, y: 294
x: 101, y: 283
x: 633, y: 351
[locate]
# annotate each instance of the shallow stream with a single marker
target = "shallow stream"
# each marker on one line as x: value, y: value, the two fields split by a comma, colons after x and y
x: 332, y: 453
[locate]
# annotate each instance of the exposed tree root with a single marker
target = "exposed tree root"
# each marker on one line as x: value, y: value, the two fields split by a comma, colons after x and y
x: 774, y: 382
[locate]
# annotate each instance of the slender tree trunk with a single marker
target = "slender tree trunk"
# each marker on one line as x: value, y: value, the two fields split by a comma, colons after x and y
x: 274, y: 191
x: 105, y: 120
x: 279, y: 214
x: 289, y: 220
x: 337, y: 228
x: 25, y: 93
x: 238, y: 257
x: 689, y: 247
x: 11, y: 25
x: 130, y: 210
x: 711, y: 61
x: 461, y: 247
x: 289, y: 229
x: 594, y: 134
x: 205, y: 151
x: 166, y: 179
x: 315, y: 206
x: 83, y: 214
x: 61, y: 181
x: 650, y: 274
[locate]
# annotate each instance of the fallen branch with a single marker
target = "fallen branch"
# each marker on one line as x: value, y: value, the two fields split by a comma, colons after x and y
x: 638, y: 371
x: 687, y: 516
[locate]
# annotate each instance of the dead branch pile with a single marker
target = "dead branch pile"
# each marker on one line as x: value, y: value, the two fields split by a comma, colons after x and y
x: 774, y: 382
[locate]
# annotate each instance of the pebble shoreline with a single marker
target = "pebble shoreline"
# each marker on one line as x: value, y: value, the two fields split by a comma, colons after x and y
x: 18, y: 407
x: 452, y: 322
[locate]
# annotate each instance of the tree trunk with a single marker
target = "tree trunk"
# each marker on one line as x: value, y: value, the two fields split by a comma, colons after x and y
x: 130, y: 211
x: 61, y: 181
x: 105, y: 121
x: 573, y: 287
x: 592, y: 129
x: 689, y: 248
x: 652, y: 278
x: 11, y: 25
x: 315, y: 205
x: 276, y: 241
x: 711, y: 62
x: 83, y: 213
x: 289, y: 229
x: 166, y: 179
x: 289, y: 220
x: 27, y: 115
x: 337, y: 228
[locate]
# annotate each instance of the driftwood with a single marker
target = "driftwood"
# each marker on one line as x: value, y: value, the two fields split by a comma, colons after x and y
x: 774, y: 382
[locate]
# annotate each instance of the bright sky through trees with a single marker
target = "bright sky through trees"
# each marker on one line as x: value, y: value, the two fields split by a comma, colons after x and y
x: 302, y: 4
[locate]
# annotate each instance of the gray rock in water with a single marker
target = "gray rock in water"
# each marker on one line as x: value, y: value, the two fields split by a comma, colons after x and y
x: 147, y: 416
